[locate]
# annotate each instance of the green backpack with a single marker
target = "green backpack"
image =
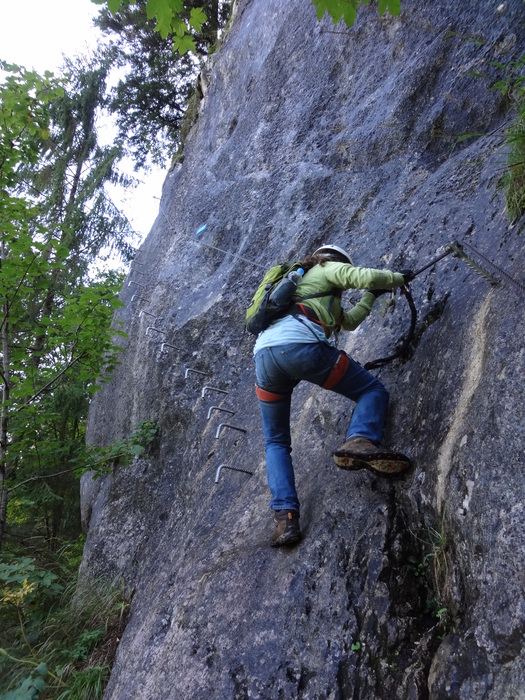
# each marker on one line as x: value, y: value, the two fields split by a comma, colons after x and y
x: 261, y: 311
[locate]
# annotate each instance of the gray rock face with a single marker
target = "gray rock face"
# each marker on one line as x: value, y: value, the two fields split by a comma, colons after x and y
x: 312, y: 133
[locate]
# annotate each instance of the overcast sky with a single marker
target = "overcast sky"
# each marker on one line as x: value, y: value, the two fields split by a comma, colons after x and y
x: 36, y: 34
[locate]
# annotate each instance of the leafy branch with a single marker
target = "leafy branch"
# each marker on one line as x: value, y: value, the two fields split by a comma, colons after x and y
x: 170, y: 20
x: 347, y: 9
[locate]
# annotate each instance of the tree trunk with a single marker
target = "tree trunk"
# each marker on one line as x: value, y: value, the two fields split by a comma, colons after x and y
x: 4, y: 417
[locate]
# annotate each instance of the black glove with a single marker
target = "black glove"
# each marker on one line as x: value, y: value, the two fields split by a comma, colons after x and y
x: 379, y: 292
x: 408, y: 275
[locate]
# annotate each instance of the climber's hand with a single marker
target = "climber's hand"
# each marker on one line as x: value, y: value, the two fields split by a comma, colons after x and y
x: 408, y: 275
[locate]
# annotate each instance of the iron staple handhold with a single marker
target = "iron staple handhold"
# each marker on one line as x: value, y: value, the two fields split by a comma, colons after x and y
x: 137, y: 283
x: 234, y: 469
x: 169, y: 346
x: 151, y: 328
x: 146, y: 313
x: 212, y: 388
x: 196, y: 371
x: 227, y: 425
x: 218, y: 408
x: 136, y: 296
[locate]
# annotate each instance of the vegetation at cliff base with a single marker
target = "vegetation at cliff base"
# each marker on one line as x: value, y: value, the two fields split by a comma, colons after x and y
x: 57, y: 644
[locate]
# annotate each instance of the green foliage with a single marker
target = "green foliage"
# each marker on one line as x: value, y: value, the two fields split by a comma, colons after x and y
x: 56, y: 314
x: 74, y: 169
x: 171, y: 18
x: 122, y: 452
x: 433, y: 540
x: 48, y: 404
x: 512, y: 82
x: 58, y: 343
x: 21, y: 582
x: 87, y: 684
x: 154, y: 85
x: 347, y: 9
x: 512, y: 86
x: 66, y: 652
x: 31, y: 687
x: 25, y: 97
x: 513, y: 181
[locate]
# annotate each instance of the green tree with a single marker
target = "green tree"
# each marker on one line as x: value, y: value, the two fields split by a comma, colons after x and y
x: 55, y: 329
x: 176, y: 19
x: 73, y: 168
x: 150, y: 99
x: 24, y: 124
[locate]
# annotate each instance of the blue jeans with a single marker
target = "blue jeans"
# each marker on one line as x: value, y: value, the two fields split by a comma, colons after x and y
x: 278, y: 370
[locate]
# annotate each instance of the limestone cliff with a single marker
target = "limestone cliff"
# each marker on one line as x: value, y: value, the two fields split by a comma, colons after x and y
x: 311, y: 133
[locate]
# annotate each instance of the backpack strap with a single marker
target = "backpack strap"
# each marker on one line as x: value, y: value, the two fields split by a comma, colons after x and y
x: 318, y: 295
x: 299, y: 308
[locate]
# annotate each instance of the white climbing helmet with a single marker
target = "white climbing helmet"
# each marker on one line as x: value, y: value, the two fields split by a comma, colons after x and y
x: 327, y: 250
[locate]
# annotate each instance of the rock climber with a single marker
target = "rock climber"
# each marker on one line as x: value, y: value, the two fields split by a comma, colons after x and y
x: 300, y: 346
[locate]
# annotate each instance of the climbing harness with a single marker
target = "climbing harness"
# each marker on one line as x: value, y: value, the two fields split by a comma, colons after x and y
x: 457, y: 250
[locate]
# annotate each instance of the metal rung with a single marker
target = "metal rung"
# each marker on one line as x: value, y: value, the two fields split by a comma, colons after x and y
x: 234, y: 469
x: 136, y: 296
x: 146, y: 313
x: 218, y: 408
x: 157, y: 330
x: 168, y: 345
x: 232, y: 427
x: 195, y: 371
x: 212, y: 388
x: 137, y: 283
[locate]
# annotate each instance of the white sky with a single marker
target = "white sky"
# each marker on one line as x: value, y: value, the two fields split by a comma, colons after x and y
x: 36, y: 34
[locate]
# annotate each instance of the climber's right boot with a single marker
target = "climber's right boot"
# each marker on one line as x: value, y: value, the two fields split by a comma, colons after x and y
x: 361, y: 453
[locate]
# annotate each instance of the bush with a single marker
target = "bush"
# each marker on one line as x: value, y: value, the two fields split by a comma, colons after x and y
x: 56, y: 643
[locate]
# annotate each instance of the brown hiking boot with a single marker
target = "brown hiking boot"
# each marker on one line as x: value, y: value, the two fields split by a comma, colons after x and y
x: 360, y: 453
x: 287, y: 530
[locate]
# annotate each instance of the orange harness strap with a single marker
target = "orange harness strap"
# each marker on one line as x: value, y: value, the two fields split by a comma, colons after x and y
x: 312, y: 316
x: 338, y: 371
x: 269, y: 396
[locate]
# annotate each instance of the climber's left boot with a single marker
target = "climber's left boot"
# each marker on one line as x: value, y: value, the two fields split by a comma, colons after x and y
x: 287, y: 531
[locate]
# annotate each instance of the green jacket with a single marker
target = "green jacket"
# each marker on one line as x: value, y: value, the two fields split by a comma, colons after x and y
x: 335, y: 276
